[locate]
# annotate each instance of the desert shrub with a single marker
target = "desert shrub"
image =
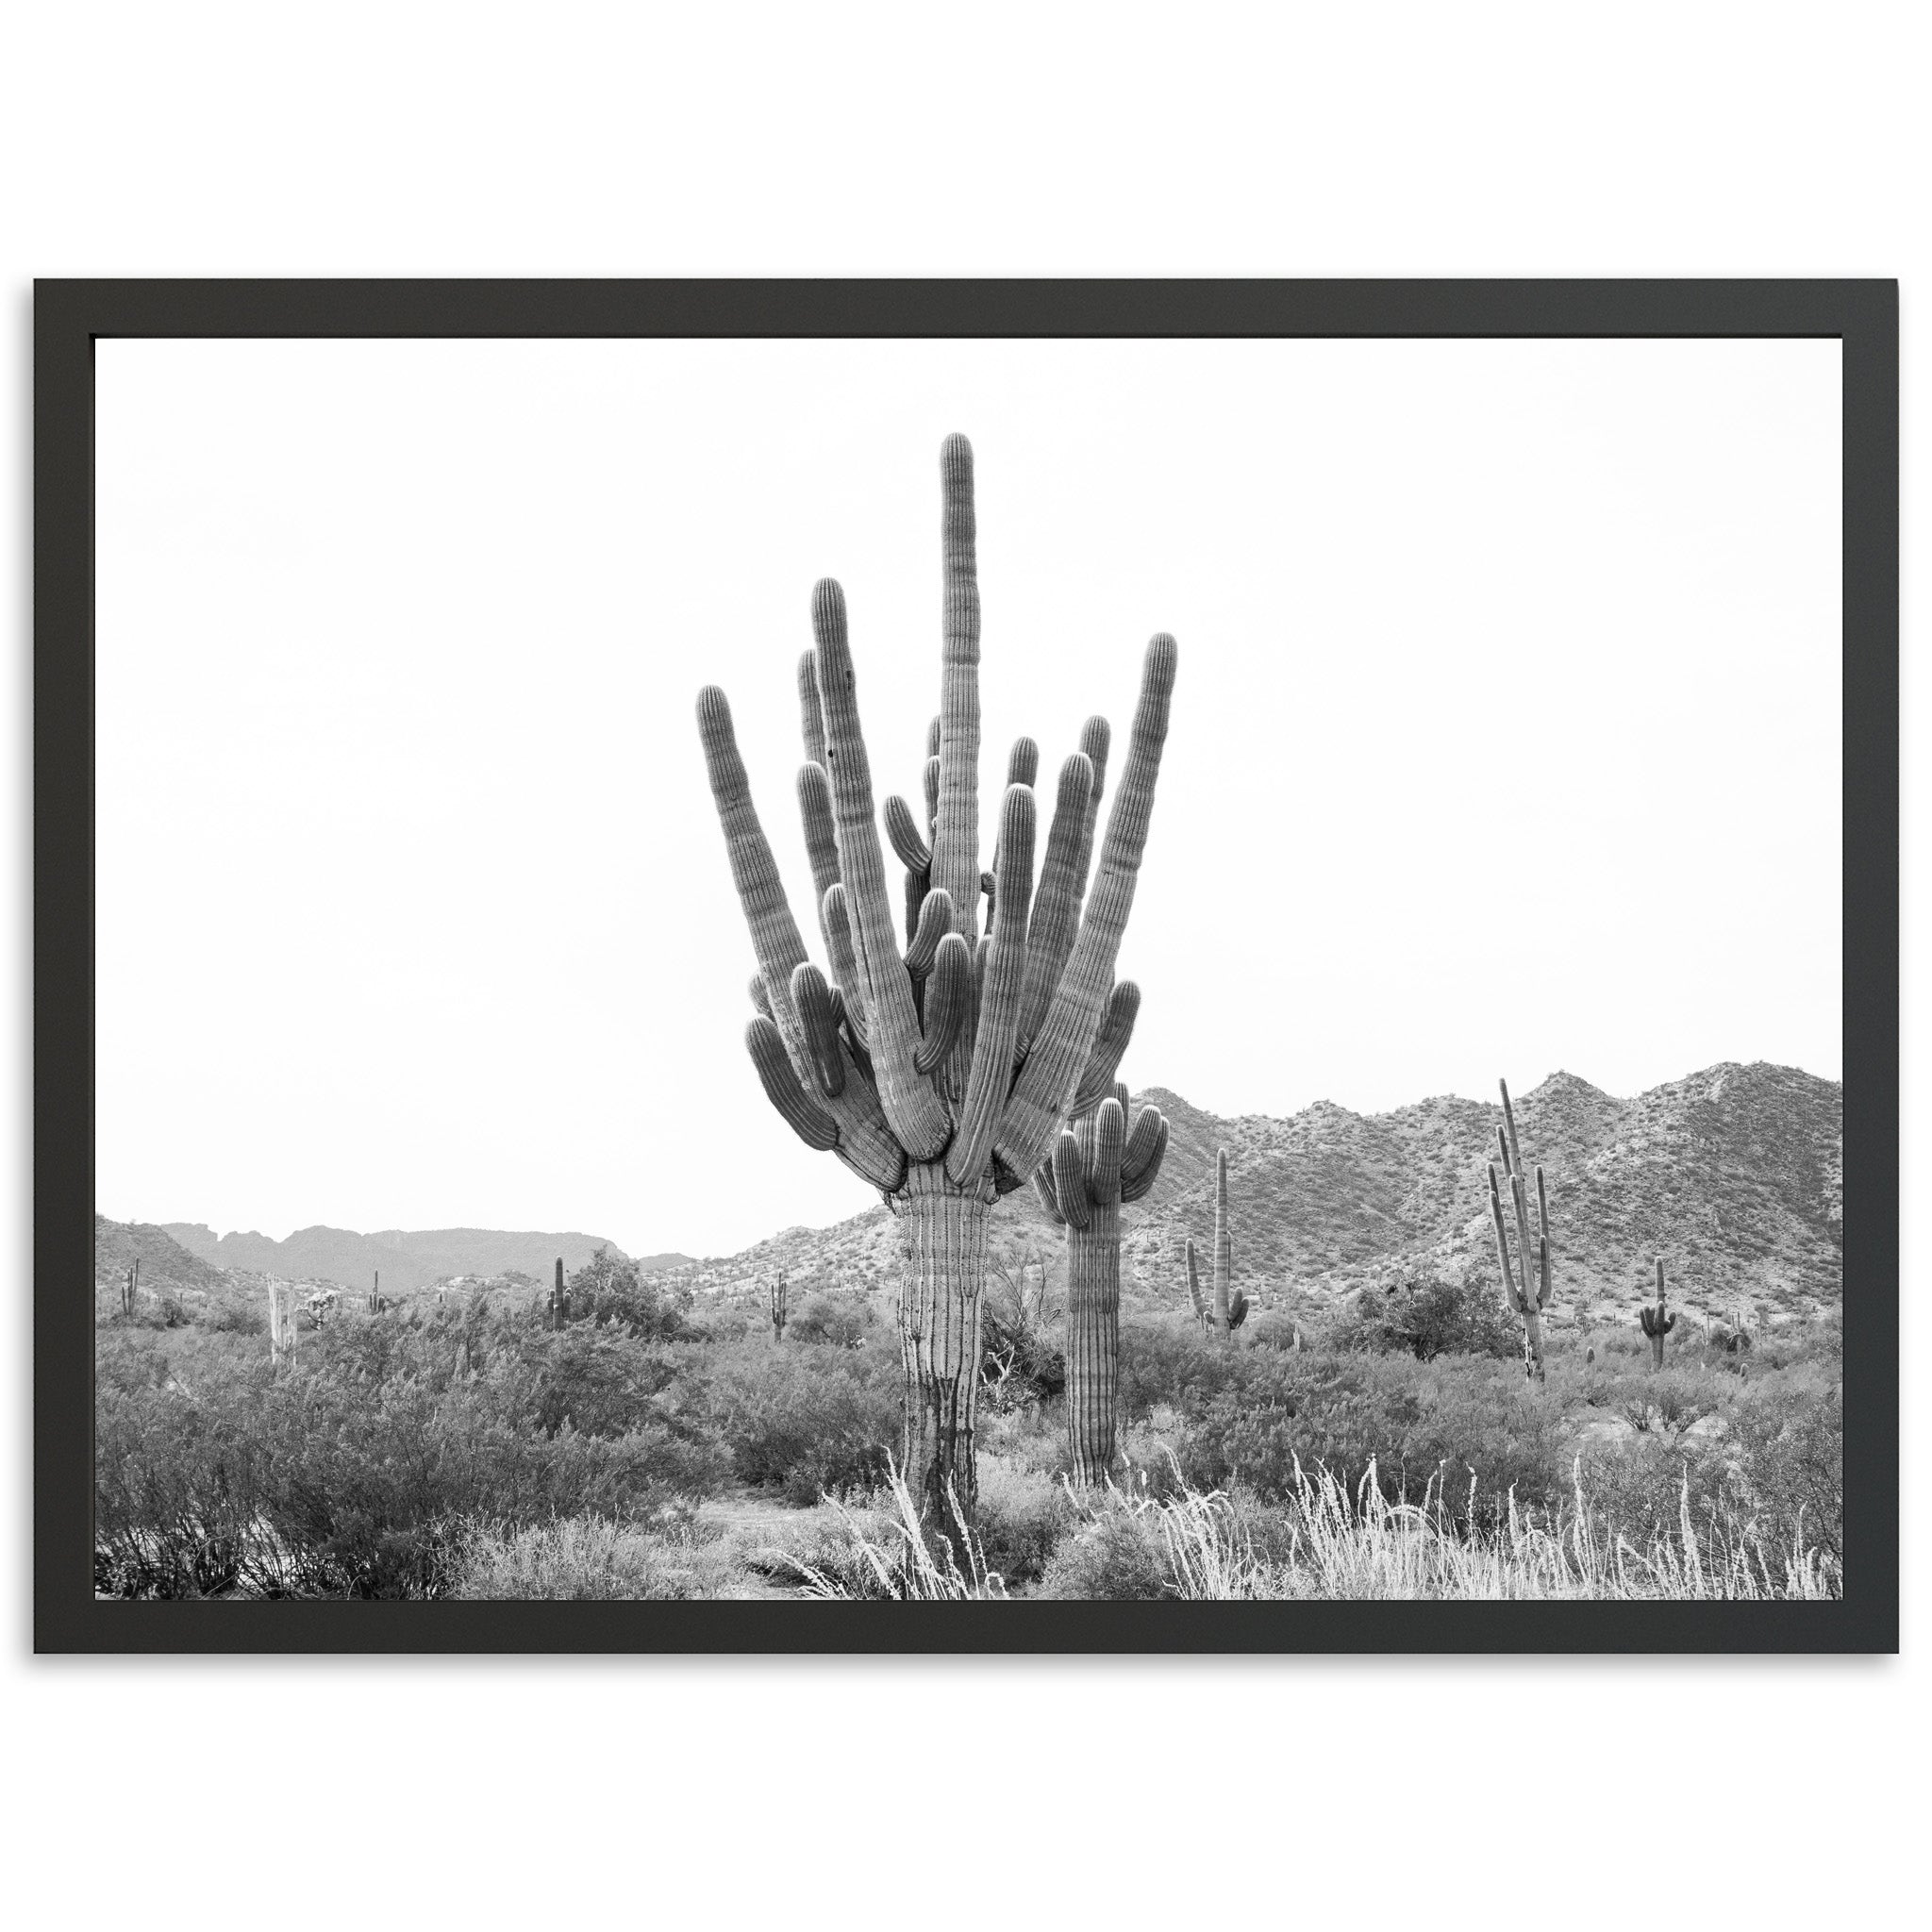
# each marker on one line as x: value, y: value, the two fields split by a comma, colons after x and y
x: 607, y: 1289
x: 1023, y: 1514
x: 352, y: 1473
x: 595, y: 1378
x: 1427, y: 1317
x: 1790, y: 1466
x: 806, y: 1422
x: 587, y: 1558
x: 841, y: 1322
x: 1117, y: 1555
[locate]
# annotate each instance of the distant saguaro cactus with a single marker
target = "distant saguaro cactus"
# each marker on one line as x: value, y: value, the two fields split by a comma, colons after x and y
x: 130, y: 1287
x: 777, y: 1302
x: 376, y: 1294
x: 1230, y: 1309
x: 559, y: 1297
x: 1098, y: 1163
x: 1194, y: 1290
x: 1657, y: 1322
x: 1526, y: 1284
x: 941, y: 1075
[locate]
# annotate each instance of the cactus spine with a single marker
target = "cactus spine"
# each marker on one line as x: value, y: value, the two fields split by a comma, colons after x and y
x: 1526, y: 1284
x: 1657, y: 1322
x: 778, y: 1309
x: 941, y: 1074
x: 1098, y: 1163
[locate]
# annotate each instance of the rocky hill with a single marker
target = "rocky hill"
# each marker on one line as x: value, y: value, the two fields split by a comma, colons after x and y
x: 408, y: 1260
x: 1733, y: 1176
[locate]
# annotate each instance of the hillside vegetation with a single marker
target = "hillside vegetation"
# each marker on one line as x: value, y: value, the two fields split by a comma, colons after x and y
x: 1732, y: 1174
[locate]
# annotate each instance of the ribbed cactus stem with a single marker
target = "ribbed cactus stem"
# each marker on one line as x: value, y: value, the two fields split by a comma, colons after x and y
x: 1657, y: 1322
x: 1224, y: 1245
x: 1526, y: 1273
x: 956, y: 844
x: 778, y: 1303
x: 1200, y: 1307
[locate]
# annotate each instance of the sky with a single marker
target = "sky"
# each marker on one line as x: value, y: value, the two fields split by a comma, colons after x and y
x: 1505, y: 739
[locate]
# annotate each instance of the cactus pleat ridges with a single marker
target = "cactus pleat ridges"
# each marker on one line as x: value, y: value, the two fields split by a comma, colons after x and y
x: 1526, y: 1275
x: 948, y: 996
x: 999, y: 1017
x: 1657, y: 1322
x: 1194, y: 1289
x: 1085, y: 1189
x: 1046, y: 1085
x: 1056, y: 907
x: 935, y: 923
x: 913, y: 851
x: 915, y: 1063
x: 955, y: 840
x: 912, y: 1107
x: 803, y: 1116
x: 812, y: 716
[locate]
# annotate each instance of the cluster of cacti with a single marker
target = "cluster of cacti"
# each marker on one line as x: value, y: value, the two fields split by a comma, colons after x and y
x: 1526, y: 1283
x: 1099, y: 1162
x: 1657, y: 1322
x: 130, y: 1287
x: 778, y: 1308
x: 560, y: 1298
x: 1228, y: 1308
x: 941, y: 1072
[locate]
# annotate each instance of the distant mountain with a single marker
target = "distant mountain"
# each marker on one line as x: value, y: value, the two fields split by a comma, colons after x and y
x: 165, y: 1262
x: 406, y: 1259
x: 1734, y: 1176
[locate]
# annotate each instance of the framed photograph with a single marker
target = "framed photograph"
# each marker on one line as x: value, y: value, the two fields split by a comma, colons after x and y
x: 923, y: 966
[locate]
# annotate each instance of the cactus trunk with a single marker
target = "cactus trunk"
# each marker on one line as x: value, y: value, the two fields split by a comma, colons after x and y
x: 943, y: 1227
x: 1093, y: 1323
x: 1224, y: 1245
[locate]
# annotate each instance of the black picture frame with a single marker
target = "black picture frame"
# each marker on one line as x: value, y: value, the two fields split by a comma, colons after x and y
x: 70, y: 316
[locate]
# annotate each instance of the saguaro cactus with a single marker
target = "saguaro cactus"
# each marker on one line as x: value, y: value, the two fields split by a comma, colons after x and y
x: 1194, y: 1295
x: 559, y: 1297
x: 778, y: 1306
x: 1228, y: 1313
x: 131, y: 1289
x: 1526, y: 1284
x: 1657, y: 1322
x: 1098, y: 1164
x: 941, y: 1075
x: 376, y: 1294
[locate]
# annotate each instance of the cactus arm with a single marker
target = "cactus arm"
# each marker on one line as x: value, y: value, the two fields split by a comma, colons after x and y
x: 916, y: 884
x: 1510, y: 1294
x: 913, y: 852
x: 1524, y: 1254
x: 757, y: 995
x: 1070, y: 1182
x: 1096, y: 739
x: 821, y: 842
x: 1056, y: 913
x: 932, y: 796
x: 834, y: 916
x: 1194, y: 1286
x: 1139, y: 1171
x: 1022, y: 764
x: 935, y: 923
x: 813, y: 999
x: 999, y: 1015
x: 948, y: 993
x: 1109, y: 1141
x: 1066, y: 1037
x: 911, y: 1108
x: 1043, y: 1185
x: 1237, y: 1310
x: 864, y: 1138
x: 810, y: 1123
x: 1542, y: 1287
x: 955, y: 844
x: 811, y: 716
x: 1224, y: 1245
x: 1509, y: 1122
x: 1109, y: 1046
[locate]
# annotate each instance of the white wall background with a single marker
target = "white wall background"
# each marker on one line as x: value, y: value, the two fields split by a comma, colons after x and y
x: 1491, y: 139
x: 1507, y: 737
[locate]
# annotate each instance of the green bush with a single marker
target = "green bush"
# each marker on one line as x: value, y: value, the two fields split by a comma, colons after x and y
x: 1023, y: 1514
x: 584, y: 1559
x: 1427, y: 1317
x: 1115, y: 1556
x: 805, y: 1421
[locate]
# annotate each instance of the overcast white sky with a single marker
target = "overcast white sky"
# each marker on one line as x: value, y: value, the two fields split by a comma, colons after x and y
x: 1507, y: 737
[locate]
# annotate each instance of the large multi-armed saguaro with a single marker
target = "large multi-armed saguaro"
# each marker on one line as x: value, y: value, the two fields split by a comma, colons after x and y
x: 943, y: 1072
